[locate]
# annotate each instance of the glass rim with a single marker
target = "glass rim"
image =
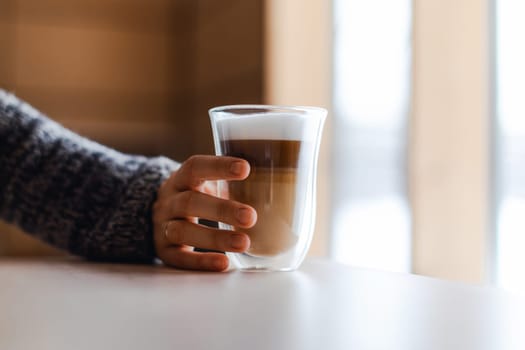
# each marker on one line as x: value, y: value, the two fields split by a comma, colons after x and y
x: 267, y: 108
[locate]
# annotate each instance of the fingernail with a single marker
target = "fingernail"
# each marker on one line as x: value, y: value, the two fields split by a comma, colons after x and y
x: 236, y: 168
x: 244, y: 215
x: 237, y: 241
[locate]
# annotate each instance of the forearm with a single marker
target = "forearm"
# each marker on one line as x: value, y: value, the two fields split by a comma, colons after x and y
x: 74, y: 193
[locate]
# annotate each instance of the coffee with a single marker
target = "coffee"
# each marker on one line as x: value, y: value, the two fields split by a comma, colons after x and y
x: 270, y: 189
x: 281, y: 144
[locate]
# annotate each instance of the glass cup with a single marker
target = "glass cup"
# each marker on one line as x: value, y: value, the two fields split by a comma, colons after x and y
x: 282, y: 146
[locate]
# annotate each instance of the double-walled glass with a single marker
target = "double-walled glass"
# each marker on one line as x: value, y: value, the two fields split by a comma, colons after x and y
x: 282, y: 146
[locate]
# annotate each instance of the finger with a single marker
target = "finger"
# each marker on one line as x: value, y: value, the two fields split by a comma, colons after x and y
x: 202, y: 205
x: 182, y: 258
x: 198, y: 169
x: 182, y: 232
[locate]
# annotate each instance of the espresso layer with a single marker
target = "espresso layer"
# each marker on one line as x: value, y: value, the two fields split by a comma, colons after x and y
x: 264, y: 153
x: 270, y: 189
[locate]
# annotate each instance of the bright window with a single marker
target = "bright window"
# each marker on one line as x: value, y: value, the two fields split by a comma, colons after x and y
x: 510, y: 144
x: 371, y: 98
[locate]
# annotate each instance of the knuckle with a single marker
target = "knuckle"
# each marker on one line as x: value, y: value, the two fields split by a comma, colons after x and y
x: 183, y: 203
x: 165, y: 186
x: 161, y: 210
x: 189, y: 165
x: 191, y: 173
x: 177, y: 230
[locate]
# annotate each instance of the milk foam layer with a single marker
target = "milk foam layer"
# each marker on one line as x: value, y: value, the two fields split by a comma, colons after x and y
x: 271, y: 126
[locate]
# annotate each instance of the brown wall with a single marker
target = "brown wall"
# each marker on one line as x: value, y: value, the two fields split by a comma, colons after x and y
x: 137, y: 75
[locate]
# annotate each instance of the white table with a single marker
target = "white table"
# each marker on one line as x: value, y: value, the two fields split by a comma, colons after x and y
x: 70, y: 304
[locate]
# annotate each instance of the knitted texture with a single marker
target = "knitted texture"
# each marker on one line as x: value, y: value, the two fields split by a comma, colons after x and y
x: 73, y: 193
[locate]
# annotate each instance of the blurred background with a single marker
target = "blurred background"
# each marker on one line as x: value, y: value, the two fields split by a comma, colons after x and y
x: 422, y: 167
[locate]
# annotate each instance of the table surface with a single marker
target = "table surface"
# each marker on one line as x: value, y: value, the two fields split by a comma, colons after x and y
x: 70, y: 304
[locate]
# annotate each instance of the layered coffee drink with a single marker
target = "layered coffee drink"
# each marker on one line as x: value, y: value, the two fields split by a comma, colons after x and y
x: 275, y: 146
x: 270, y: 189
x: 281, y: 144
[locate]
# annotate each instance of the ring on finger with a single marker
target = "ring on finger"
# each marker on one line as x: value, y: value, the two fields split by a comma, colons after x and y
x: 166, y: 227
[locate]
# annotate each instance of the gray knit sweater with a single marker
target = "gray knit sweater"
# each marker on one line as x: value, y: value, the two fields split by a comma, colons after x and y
x: 74, y: 193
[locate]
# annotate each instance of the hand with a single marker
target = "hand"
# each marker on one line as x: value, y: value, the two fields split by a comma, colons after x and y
x: 188, y: 195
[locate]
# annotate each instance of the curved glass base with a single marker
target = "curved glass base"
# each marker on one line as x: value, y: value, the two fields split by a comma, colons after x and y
x: 264, y: 269
x: 249, y: 263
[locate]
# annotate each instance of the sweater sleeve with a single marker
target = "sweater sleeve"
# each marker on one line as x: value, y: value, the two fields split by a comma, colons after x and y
x: 73, y: 193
